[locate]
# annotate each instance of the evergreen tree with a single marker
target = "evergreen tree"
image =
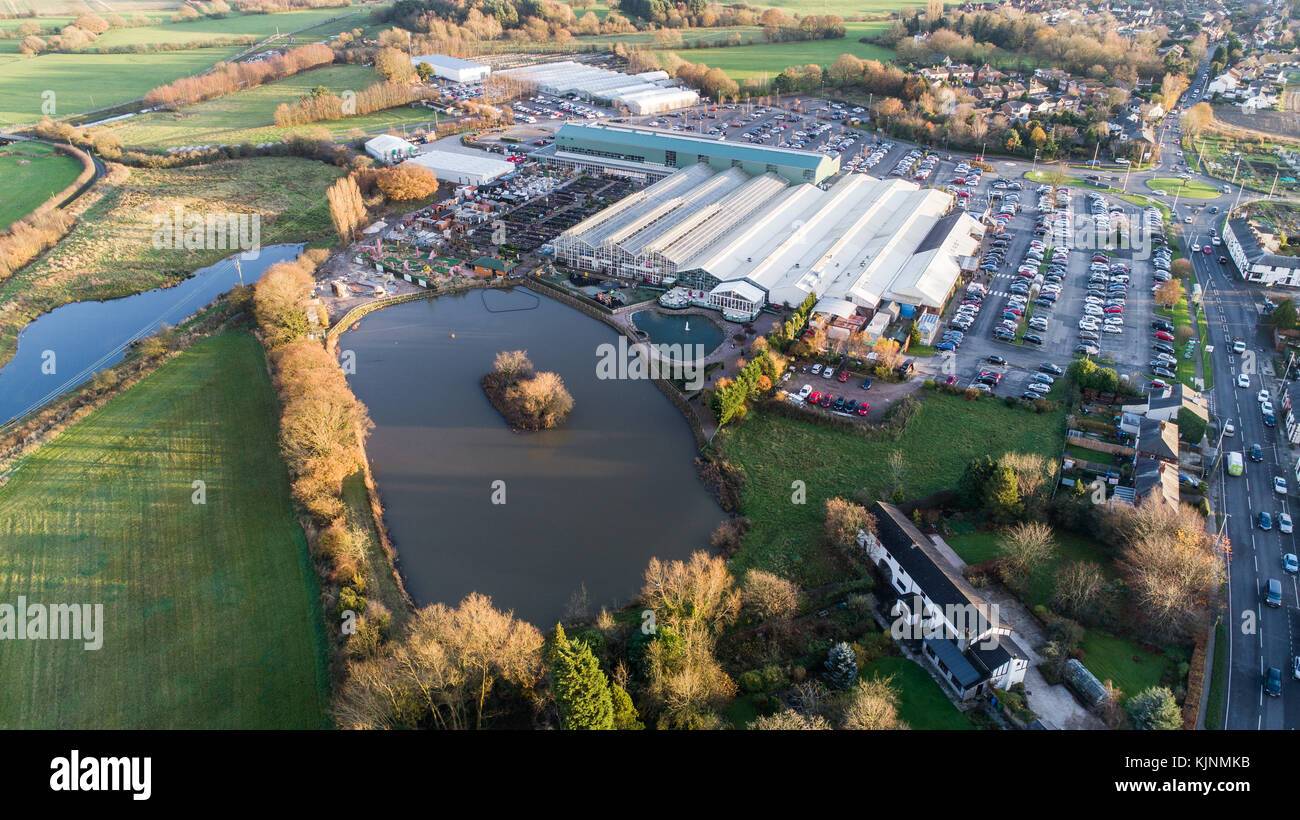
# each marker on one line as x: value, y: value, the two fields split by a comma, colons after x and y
x: 1002, y: 499
x: 625, y: 716
x: 841, y: 667
x: 1155, y: 708
x: 580, y: 689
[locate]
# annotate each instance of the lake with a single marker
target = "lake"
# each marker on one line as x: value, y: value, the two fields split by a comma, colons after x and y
x: 63, y: 348
x: 586, y: 505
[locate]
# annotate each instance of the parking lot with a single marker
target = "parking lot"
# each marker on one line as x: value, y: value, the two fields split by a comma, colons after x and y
x: 1060, y: 277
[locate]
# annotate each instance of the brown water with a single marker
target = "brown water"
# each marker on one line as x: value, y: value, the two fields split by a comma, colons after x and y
x: 586, y: 505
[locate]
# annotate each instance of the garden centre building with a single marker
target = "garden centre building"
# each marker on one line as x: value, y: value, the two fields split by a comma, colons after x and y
x: 650, y: 92
x: 655, y: 153
x: 737, y: 242
x: 462, y: 168
x: 453, y: 68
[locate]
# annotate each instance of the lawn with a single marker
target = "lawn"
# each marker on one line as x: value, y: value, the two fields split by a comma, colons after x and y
x: 946, y: 434
x: 921, y: 702
x: 1122, y: 662
x: 985, y: 545
x: 82, y: 82
x: 211, y: 613
x: 249, y: 116
x: 31, y: 173
x: 768, y: 59
x: 111, y: 252
x: 1185, y: 189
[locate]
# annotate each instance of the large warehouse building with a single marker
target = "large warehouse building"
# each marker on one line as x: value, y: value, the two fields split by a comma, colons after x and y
x: 463, y: 169
x: 389, y: 149
x: 653, y: 153
x: 453, y: 68
x: 738, y: 242
x: 647, y: 93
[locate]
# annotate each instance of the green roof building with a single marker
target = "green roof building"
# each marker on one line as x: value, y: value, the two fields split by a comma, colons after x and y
x: 654, y: 152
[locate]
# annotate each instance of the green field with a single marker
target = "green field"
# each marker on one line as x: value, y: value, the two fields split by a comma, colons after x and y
x: 922, y: 704
x: 111, y: 252
x: 211, y: 613
x: 249, y: 116
x: 941, y: 440
x: 82, y: 82
x: 31, y: 173
x: 1185, y: 189
x: 768, y: 59
x: 236, y: 25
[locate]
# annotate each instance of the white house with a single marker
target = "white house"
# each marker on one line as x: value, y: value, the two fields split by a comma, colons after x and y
x: 1225, y: 83
x: 453, y: 68
x: 959, y: 632
x: 1255, y: 263
x: 389, y: 149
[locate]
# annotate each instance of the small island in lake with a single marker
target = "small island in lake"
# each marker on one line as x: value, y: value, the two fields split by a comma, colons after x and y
x: 527, y: 400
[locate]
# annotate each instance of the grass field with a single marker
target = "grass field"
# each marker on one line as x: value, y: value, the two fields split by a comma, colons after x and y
x: 1185, y: 189
x: 743, y: 62
x: 922, y: 703
x: 82, y: 82
x: 211, y: 614
x: 942, y: 439
x: 30, y: 174
x: 235, y: 25
x: 249, y: 116
x: 111, y: 252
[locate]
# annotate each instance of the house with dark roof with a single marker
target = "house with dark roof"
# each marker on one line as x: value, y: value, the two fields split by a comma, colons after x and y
x: 1255, y: 261
x: 1157, y: 439
x: 958, y: 631
x: 1153, y: 476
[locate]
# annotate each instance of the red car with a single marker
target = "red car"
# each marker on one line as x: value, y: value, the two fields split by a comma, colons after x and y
x: 843, y: 377
x: 863, y: 409
x: 1206, y: 249
x: 951, y: 380
x: 827, y: 400
x: 1168, y: 337
x: 1157, y: 384
x: 1113, y: 309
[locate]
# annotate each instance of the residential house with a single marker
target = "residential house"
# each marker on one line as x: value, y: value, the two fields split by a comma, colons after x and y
x: 1164, y: 405
x: 958, y: 631
x: 1157, y: 439
x: 1155, y: 477
x: 1256, y: 258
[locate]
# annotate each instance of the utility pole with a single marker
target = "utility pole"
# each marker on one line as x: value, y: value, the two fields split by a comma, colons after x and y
x: 1272, y: 187
x: 1234, y: 169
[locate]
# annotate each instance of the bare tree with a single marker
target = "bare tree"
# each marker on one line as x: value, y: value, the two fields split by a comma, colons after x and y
x: 1028, y: 545
x: 873, y: 706
x: 769, y: 596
